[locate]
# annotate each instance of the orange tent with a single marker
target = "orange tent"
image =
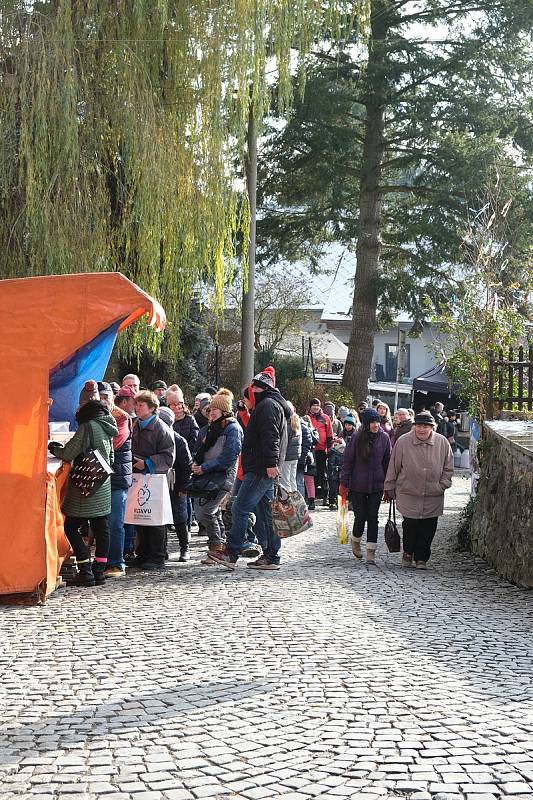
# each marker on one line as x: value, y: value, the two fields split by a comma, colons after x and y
x: 46, y: 321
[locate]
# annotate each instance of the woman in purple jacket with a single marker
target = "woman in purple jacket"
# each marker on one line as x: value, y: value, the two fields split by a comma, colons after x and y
x: 366, y: 459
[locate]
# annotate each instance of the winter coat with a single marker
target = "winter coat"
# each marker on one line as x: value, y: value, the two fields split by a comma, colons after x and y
x: 419, y: 472
x: 102, y: 430
x: 439, y: 421
x: 182, y: 464
x: 307, y: 445
x: 400, y: 430
x: 361, y: 476
x: 322, y: 424
x: 188, y: 428
x: 294, y: 444
x: 265, y: 438
x: 387, y: 427
x: 243, y: 418
x: 336, y: 426
x: 223, y: 455
x: 156, y: 442
x: 121, y: 477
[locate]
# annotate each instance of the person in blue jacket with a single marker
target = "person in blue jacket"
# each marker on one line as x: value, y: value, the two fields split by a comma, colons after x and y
x: 219, y: 446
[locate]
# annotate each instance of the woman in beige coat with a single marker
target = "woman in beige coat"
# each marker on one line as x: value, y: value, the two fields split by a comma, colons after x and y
x: 420, y: 470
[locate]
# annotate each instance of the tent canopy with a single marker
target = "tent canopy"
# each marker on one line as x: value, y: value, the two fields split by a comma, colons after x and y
x: 435, y: 380
x: 50, y: 330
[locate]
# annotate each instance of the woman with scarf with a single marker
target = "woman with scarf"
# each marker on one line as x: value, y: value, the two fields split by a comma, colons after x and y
x: 96, y: 429
x: 366, y: 459
x: 219, y: 446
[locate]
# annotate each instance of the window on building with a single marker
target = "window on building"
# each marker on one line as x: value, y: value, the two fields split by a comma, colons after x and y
x: 391, y: 354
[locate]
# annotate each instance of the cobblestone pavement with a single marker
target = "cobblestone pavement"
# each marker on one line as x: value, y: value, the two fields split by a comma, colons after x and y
x: 327, y: 679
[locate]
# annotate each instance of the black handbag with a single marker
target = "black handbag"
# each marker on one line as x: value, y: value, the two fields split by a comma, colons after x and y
x: 90, y: 469
x: 392, y: 537
x: 206, y: 487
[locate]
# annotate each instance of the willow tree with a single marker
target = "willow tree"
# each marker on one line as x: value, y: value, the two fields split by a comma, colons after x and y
x: 121, y: 122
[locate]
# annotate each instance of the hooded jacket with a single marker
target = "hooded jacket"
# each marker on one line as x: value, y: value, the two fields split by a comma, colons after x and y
x: 265, y: 438
x: 96, y: 431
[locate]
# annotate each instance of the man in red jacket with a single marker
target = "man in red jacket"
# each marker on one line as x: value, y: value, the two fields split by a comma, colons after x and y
x: 322, y: 423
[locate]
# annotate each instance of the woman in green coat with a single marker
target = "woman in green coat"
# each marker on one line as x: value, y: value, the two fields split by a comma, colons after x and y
x: 96, y: 428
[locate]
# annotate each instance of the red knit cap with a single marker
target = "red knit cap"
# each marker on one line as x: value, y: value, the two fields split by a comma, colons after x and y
x: 266, y: 379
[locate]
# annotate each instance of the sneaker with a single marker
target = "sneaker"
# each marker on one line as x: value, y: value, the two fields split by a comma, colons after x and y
x: 251, y: 550
x: 356, y: 548
x: 223, y: 557
x: 311, y: 504
x: 407, y: 560
x: 208, y: 562
x: 263, y: 563
x: 115, y: 572
x: 185, y: 554
x: 421, y: 565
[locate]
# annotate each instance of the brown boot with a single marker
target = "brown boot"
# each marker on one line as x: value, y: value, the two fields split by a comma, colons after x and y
x: 217, y: 548
x: 356, y: 547
x: 371, y: 553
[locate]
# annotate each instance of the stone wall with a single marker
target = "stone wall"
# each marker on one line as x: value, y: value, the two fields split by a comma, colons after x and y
x: 502, y: 524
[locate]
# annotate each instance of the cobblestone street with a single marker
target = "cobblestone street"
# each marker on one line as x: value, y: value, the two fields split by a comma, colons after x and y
x: 327, y: 679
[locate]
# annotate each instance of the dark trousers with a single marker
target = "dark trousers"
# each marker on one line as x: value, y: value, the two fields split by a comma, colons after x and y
x: 151, y: 543
x: 321, y: 479
x: 366, y: 509
x: 100, y: 529
x: 417, y: 537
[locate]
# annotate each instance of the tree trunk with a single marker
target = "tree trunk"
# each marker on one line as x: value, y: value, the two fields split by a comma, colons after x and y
x: 248, y: 295
x: 365, y: 298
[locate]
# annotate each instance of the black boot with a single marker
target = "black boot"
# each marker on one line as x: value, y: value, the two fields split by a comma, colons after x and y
x: 183, y: 539
x: 99, y: 572
x: 84, y: 575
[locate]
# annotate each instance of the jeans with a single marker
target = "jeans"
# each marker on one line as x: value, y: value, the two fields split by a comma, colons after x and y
x: 366, y: 509
x: 255, y: 494
x: 129, y: 538
x: 180, y: 509
x: 417, y: 537
x: 116, y: 528
x: 100, y: 528
x: 209, y: 515
x: 300, y: 481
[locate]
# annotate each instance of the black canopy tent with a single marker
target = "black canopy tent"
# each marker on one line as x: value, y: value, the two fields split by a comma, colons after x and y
x: 434, y: 386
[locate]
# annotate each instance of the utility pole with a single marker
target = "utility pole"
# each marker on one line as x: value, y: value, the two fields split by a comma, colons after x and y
x: 248, y: 294
x: 400, y: 362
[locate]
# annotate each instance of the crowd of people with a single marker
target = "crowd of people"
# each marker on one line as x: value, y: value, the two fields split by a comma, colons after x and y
x: 226, y: 459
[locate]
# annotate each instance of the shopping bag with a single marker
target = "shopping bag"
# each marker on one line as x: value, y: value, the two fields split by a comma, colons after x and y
x: 148, y: 501
x: 392, y: 537
x: 342, y: 520
x: 290, y: 514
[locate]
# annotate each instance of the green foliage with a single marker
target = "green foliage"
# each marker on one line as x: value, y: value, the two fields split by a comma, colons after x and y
x: 464, y: 539
x: 120, y: 126
x: 492, y: 301
x: 288, y: 368
x: 454, y: 105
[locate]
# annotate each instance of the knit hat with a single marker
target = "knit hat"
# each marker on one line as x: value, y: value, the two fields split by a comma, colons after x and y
x: 266, y: 379
x: 159, y: 385
x: 369, y: 415
x: 222, y: 400
x: 167, y: 415
x: 329, y: 404
x: 104, y: 387
x: 314, y: 402
x: 348, y: 419
x: 89, y: 392
x: 126, y: 391
x: 424, y: 418
x: 203, y: 396
x: 342, y: 413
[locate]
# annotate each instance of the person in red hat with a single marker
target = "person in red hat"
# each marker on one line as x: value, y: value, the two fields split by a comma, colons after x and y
x: 263, y: 454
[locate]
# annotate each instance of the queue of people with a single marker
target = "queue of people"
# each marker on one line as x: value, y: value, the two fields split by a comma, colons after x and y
x: 223, y: 461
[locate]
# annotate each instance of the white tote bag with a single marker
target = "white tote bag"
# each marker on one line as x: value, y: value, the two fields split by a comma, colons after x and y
x: 148, y: 501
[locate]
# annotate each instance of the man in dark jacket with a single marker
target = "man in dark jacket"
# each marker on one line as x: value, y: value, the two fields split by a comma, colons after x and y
x: 263, y: 454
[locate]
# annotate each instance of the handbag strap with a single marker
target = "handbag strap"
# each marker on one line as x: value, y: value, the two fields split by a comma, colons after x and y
x: 392, y: 510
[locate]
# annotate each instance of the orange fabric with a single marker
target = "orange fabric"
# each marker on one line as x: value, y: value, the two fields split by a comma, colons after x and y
x: 44, y: 321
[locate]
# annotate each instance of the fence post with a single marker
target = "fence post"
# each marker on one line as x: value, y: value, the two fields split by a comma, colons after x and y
x: 520, y: 393
x: 490, y: 388
x: 500, y: 379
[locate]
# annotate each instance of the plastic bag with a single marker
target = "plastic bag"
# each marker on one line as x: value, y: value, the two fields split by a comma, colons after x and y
x: 342, y: 520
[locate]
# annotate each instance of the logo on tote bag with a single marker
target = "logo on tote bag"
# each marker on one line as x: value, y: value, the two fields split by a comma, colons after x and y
x: 143, y: 495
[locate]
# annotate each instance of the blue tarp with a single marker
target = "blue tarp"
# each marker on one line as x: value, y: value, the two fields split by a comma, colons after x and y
x: 68, y: 379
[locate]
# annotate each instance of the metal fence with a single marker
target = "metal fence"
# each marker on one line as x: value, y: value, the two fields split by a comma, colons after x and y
x: 510, y: 385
